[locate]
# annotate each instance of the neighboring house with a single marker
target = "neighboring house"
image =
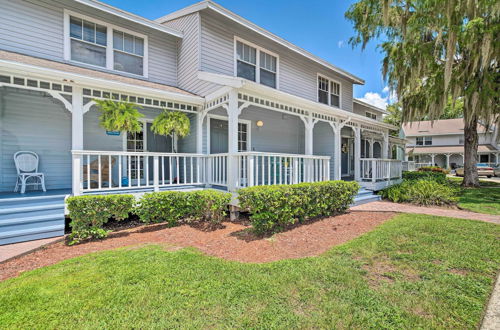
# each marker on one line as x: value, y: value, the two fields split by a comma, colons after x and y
x: 442, y: 143
x: 262, y: 110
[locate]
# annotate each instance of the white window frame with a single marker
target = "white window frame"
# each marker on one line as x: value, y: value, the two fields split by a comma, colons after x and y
x: 330, y: 80
x: 240, y: 121
x: 109, y: 43
x: 424, y: 138
x: 257, y: 64
x: 372, y: 114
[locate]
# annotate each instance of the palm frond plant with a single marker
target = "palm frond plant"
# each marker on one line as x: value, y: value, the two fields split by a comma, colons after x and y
x: 119, y: 116
x: 171, y: 123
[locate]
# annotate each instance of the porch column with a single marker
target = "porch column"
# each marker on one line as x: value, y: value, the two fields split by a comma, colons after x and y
x: 199, y: 132
x: 77, y: 137
x: 448, y: 161
x: 432, y: 159
x: 336, y: 151
x: 385, y: 146
x: 371, y: 148
x: 232, y: 143
x: 357, y: 153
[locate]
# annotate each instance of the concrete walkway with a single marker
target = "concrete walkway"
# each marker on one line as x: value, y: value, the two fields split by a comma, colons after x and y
x: 384, y: 206
x: 491, y: 320
x: 18, y: 249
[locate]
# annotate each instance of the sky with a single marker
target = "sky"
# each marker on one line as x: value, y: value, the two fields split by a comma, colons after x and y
x: 318, y: 26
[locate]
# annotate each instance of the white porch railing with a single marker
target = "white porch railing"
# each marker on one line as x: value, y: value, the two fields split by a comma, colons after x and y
x: 111, y: 170
x: 377, y: 173
x: 262, y: 168
x: 419, y: 165
x: 95, y: 171
x: 408, y: 165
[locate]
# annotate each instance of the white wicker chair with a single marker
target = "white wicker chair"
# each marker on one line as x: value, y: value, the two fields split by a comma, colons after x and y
x: 27, y: 167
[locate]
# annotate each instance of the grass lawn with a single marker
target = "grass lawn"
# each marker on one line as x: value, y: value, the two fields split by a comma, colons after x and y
x: 482, y: 200
x: 414, y: 271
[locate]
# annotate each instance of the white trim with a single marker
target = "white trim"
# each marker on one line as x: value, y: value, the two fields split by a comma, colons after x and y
x: 282, y: 96
x: 224, y: 118
x: 92, y: 82
x: 330, y: 80
x: 240, y: 20
x: 109, y: 43
x: 130, y: 17
x: 259, y: 49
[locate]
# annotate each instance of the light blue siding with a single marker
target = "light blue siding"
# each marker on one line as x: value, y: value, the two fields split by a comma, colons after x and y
x: 35, y: 122
x: 36, y: 28
x: 323, y: 143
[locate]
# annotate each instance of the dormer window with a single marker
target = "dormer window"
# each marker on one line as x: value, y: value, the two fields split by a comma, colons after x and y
x: 104, y: 45
x: 328, y: 92
x: 256, y: 64
x: 424, y: 140
x: 371, y: 115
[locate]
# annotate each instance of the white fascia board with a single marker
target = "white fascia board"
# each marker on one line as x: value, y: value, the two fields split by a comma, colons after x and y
x: 278, y: 95
x: 249, y: 25
x: 91, y: 82
x: 371, y: 106
x: 130, y: 17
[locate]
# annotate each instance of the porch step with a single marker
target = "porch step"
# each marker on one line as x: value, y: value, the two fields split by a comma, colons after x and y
x: 365, y: 196
x: 30, y: 218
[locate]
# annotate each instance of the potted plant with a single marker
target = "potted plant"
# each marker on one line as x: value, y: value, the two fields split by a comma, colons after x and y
x: 119, y: 116
x: 173, y: 124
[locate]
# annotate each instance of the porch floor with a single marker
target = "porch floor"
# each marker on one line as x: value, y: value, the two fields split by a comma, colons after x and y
x: 34, y: 193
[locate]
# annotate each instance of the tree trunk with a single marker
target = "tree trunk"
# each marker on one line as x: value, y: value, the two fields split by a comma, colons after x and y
x: 471, y: 179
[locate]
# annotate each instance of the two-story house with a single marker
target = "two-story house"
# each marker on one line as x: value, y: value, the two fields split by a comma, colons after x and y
x: 262, y: 110
x: 441, y: 143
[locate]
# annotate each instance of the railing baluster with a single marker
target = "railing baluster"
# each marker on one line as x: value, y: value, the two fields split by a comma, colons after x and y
x: 146, y: 160
x: 129, y: 165
x: 88, y: 173
x: 119, y: 171
x: 110, y: 170
x: 99, y: 172
x: 177, y: 170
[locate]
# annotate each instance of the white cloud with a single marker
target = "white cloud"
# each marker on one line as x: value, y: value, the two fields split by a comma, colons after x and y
x: 385, y: 90
x: 375, y: 99
x: 340, y: 44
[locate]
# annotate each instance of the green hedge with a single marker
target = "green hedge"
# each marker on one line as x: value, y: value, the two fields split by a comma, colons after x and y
x: 439, y: 177
x: 422, y: 192
x: 275, y: 207
x: 89, y: 214
x: 174, y: 206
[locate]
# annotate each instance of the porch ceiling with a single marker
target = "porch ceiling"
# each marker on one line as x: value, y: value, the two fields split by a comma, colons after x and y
x: 277, y: 100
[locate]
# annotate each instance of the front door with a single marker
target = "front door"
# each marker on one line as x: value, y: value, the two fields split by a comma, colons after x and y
x: 345, y: 156
x: 219, y: 136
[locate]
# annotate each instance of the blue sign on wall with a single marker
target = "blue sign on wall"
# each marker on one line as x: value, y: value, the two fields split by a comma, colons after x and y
x: 115, y: 133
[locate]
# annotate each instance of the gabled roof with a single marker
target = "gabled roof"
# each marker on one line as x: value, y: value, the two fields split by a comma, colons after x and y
x: 438, y: 127
x: 130, y: 17
x: 368, y: 105
x: 210, y: 5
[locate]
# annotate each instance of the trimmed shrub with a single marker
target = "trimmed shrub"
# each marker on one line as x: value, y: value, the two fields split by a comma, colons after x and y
x: 275, y: 207
x: 436, y: 176
x: 89, y: 214
x: 422, y: 192
x: 432, y: 169
x: 174, y: 206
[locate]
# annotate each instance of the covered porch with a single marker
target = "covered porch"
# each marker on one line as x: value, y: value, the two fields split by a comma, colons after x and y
x: 240, y: 136
x: 450, y: 157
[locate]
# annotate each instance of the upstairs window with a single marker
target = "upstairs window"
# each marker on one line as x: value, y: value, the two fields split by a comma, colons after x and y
x: 246, y: 61
x: 128, y: 53
x: 256, y: 64
x: 268, y: 70
x: 322, y: 90
x: 335, y: 94
x: 104, y: 45
x: 424, y: 140
x: 328, y: 92
x: 88, y: 42
x: 371, y: 115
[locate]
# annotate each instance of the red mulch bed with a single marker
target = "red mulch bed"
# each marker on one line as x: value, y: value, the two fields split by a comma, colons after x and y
x: 233, y: 241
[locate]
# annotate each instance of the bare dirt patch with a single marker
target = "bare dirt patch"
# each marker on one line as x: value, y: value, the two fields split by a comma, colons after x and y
x: 232, y: 241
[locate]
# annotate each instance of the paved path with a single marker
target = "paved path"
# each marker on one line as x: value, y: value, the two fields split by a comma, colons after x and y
x: 444, y: 212
x: 14, y: 250
x: 491, y: 319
